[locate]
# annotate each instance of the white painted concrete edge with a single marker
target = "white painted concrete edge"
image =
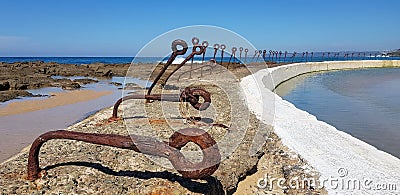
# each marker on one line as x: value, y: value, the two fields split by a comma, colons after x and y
x: 337, y: 155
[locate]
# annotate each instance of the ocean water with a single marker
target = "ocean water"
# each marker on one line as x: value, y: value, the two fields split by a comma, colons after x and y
x: 364, y: 103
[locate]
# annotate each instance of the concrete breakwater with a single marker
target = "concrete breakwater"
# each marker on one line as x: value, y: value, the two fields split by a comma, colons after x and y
x: 355, y: 165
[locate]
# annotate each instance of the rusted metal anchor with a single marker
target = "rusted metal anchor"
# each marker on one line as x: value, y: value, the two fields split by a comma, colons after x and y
x: 269, y: 56
x: 223, y: 47
x: 306, y: 56
x: 286, y: 52
x: 276, y: 55
x: 258, y: 56
x: 264, y: 54
x: 149, y: 145
x: 245, y: 54
x: 234, y: 49
x: 254, y: 56
x: 205, y: 45
x: 197, y: 50
x: 195, y: 42
x: 294, y: 56
x: 240, y: 53
x: 142, y: 144
x: 216, y: 47
x: 190, y: 95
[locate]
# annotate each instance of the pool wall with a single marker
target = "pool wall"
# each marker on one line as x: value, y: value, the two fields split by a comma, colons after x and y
x: 336, y: 155
x: 281, y: 74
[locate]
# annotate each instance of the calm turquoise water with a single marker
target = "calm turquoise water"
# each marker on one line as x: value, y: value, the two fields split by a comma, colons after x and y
x: 364, y: 103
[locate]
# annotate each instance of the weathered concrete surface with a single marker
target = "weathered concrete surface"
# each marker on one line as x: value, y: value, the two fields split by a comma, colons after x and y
x: 335, y: 154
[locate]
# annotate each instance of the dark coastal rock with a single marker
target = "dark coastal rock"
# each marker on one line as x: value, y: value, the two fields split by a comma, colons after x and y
x: 70, y: 86
x: 116, y: 83
x: 4, y: 85
x: 21, y: 86
x: 12, y: 94
x: 33, y: 75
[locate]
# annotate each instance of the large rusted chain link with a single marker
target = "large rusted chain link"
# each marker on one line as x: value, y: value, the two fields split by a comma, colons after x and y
x: 192, y: 96
x: 145, y: 145
x: 188, y: 95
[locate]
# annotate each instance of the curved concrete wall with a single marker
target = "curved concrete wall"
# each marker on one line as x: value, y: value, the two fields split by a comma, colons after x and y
x: 283, y: 73
x: 330, y: 151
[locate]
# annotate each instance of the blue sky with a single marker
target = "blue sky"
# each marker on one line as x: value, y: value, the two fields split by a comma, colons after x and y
x: 121, y: 28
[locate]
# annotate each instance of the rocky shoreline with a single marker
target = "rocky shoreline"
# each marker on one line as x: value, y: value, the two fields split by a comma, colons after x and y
x: 16, y: 78
x: 79, y: 168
